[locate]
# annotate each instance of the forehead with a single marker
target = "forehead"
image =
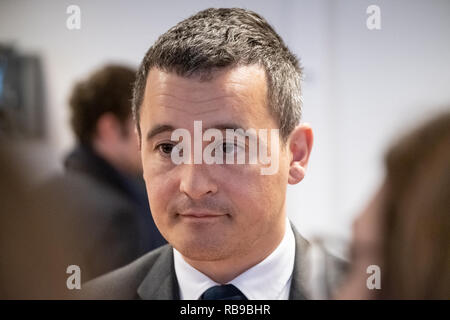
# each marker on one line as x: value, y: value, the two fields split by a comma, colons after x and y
x: 234, y: 94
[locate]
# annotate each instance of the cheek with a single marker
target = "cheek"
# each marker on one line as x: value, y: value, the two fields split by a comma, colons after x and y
x: 159, y: 197
x: 158, y: 187
x: 254, y: 195
x: 272, y: 193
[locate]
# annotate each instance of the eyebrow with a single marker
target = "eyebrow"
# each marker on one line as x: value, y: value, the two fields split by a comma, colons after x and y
x: 161, y: 128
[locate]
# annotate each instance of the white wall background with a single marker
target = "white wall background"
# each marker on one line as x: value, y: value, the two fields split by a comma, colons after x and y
x: 362, y: 88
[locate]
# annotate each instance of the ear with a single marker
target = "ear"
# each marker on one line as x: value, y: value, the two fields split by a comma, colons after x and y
x: 300, y: 144
x: 107, y: 128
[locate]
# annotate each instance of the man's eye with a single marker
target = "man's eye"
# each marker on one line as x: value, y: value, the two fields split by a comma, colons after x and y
x: 228, y: 147
x: 165, y: 148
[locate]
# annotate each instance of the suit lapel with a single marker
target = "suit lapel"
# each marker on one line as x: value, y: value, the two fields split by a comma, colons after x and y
x: 299, y: 276
x: 163, y: 273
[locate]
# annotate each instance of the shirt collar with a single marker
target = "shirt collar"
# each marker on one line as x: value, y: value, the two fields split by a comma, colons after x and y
x: 268, y: 280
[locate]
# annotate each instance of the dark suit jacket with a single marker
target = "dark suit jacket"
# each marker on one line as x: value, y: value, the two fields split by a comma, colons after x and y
x: 152, y: 277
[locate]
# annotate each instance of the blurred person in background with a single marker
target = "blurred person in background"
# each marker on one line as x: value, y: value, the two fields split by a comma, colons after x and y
x: 405, y: 230
x: 103, y: 177
x: 35, y: 248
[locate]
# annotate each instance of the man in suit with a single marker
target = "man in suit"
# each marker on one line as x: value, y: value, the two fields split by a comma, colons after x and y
x: 110, y: 223
x: 226, y: 224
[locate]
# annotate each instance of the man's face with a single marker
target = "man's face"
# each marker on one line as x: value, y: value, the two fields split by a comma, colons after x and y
x: 211, y: 211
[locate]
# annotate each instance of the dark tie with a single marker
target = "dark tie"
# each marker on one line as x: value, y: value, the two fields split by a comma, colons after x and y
x: 224, y: 292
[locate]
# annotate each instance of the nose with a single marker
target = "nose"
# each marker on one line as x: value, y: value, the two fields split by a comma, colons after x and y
x: 196, y: 181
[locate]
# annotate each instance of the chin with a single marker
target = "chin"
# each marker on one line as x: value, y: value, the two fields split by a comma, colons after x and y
x: 204, y: 250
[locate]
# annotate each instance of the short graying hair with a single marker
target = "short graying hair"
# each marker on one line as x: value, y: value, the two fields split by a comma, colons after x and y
x: 228, y: 37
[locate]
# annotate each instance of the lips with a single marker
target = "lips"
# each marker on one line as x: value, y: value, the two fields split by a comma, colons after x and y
x: 200, y: 214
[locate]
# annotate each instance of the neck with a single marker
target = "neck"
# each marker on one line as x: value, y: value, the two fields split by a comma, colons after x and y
x: 225, y: 270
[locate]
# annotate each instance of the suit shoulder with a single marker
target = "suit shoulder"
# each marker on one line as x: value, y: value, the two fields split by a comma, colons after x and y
x: 123, y: 282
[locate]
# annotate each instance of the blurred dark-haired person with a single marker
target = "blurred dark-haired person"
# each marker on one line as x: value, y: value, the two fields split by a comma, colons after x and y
x: 229, y: 235
x: 405, y: 230
x: 103, y: 176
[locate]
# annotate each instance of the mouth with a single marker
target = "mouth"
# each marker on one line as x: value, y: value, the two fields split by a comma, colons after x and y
x: 200, y: 215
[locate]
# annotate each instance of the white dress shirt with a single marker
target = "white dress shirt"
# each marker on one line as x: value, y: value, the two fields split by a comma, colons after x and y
x: 268, y: 280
